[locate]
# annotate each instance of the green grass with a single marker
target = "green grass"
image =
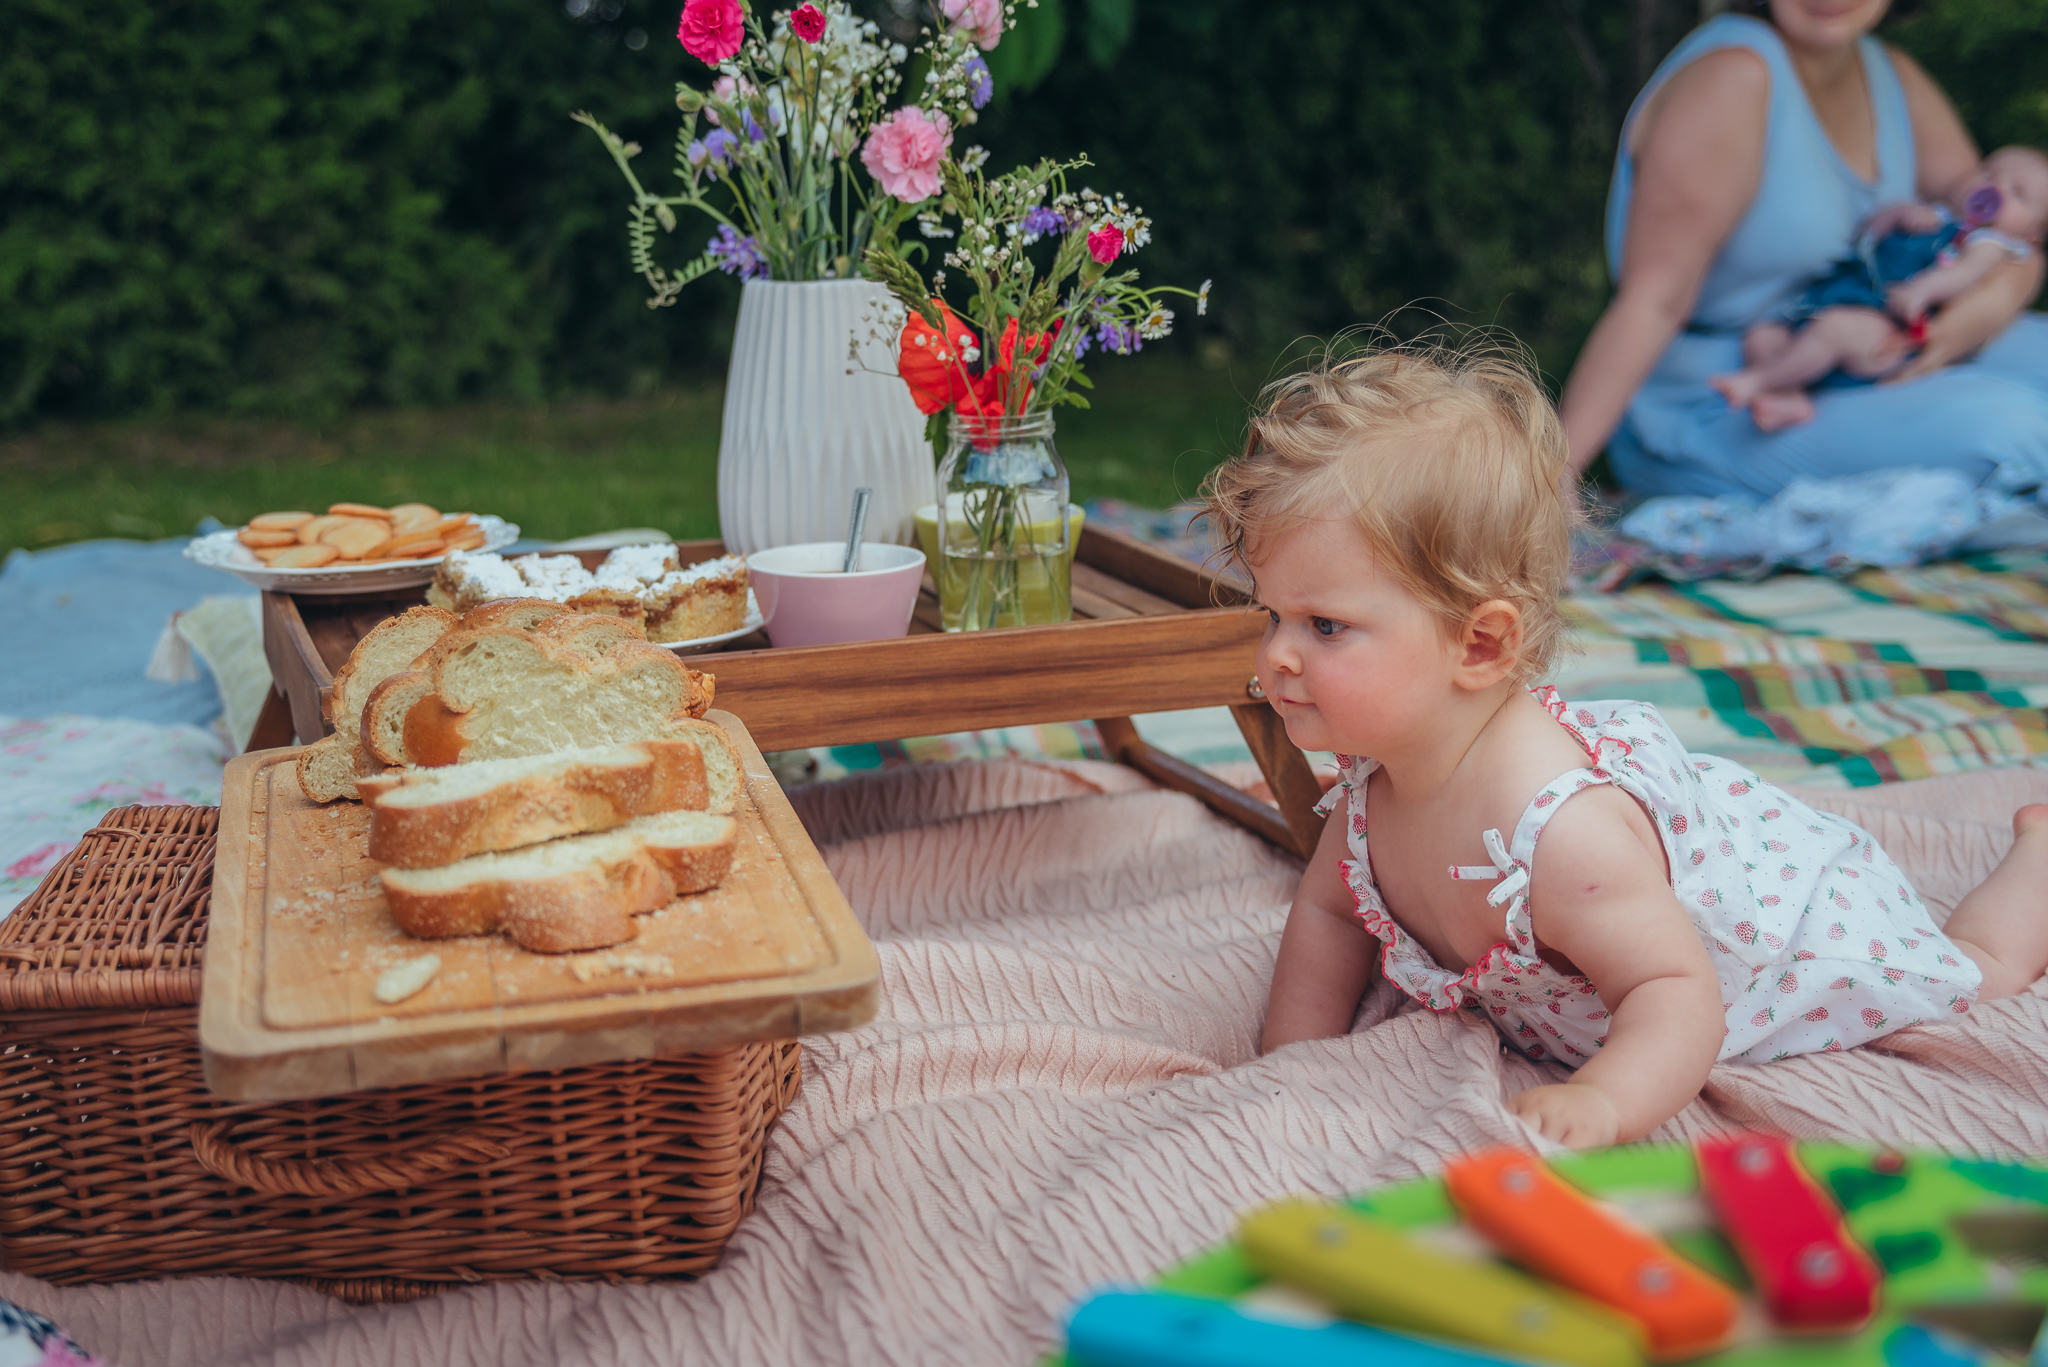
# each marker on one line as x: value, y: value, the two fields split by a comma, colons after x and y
x: 560, y: 470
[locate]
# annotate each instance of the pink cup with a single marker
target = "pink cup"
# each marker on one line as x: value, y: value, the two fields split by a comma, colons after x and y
x: 807, y: 601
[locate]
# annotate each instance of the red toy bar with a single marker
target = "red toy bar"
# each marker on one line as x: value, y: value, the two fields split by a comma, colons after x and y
x: 1789, y: 1234
x: 1552, y: 1228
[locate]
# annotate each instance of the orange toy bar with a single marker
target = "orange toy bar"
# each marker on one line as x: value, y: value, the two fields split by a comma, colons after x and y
x: 1552, y: 1228
x: 1789, y: 1234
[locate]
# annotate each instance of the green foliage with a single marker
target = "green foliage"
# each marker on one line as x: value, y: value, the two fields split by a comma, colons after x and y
x: 1329, y: 164
x: 253, y: 205
x: 1991, y: 56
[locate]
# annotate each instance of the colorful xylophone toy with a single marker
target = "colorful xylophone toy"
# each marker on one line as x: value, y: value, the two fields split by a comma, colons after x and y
x: 1749, y: 1251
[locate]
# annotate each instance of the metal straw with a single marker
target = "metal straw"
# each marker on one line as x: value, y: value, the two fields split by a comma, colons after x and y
x: 854, y: 528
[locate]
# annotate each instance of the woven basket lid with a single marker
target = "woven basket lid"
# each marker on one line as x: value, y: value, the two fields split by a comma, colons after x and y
x: 120, y: 923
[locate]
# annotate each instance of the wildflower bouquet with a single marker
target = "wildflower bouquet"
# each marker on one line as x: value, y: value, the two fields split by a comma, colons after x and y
x: 1029, y: 323
x: 766, y: 153
x: 1040, y: 289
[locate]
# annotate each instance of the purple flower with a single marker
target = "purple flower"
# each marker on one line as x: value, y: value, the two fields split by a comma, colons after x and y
x: 981, y: 87
x: 714, y: 147
x: 755, y: 133
x: 1082, y: 341
x: 1040, y: 221
x: 1116, y: 337
x: 736, y: 255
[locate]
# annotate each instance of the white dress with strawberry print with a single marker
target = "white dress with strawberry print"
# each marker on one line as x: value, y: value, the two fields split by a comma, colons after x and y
x: 1817, y: 938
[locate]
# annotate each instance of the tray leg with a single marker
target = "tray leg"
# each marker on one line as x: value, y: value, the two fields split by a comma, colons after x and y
x: 1287, y: 773
x: 273, y: 724
x: 1123, y: 743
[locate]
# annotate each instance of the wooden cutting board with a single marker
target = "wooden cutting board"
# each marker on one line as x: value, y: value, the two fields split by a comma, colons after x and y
x: 300, y: 934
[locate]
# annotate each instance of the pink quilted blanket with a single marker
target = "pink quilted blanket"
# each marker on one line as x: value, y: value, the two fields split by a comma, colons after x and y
x: 1064, y: 1089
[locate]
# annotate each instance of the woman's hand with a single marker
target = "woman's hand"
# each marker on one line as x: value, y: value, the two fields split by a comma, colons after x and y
x: 1576, y: 1116
x: 1974, y: 317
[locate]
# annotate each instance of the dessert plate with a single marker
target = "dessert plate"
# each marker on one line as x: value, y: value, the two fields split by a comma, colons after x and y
x: 221, y: 551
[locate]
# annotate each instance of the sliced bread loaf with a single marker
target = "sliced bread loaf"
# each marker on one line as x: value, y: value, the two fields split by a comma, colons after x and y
x: 577, y: 893
x: 423, y: 817
x: 502, y: 694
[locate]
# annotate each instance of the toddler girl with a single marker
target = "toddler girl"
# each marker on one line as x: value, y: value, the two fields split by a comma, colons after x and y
x: 1864, y: 317
x: 1403, y: 520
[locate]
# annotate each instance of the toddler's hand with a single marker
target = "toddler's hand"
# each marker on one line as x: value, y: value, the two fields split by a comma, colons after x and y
x: 1574, y: 1116
x: 1906, y: 302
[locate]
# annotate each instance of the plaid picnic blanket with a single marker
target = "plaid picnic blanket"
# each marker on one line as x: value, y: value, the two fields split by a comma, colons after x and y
x: 1834, y: 682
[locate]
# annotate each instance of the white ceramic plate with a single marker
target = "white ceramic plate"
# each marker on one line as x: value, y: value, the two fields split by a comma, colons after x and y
x: 753, y: 623
x: 221, y: 551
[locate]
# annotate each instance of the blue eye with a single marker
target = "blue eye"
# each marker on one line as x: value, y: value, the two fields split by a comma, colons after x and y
x: 1323, y: 625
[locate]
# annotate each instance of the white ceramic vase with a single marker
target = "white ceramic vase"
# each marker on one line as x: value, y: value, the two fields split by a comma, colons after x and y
x: 801, y: 434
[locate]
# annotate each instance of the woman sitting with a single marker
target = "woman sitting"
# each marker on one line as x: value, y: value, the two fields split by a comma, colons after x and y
x: 1747, y: 168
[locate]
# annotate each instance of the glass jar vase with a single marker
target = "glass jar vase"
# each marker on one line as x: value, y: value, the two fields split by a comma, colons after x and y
x: 1005, y: 545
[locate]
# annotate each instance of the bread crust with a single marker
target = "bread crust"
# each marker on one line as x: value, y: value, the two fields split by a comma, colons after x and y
x: 579, y: 797
x: 589, y: 907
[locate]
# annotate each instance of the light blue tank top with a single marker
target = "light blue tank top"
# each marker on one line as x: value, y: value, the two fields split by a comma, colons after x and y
x: 1808, y: 204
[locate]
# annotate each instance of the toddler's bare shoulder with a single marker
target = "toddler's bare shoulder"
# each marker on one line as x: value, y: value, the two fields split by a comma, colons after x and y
x: 1602, y: 830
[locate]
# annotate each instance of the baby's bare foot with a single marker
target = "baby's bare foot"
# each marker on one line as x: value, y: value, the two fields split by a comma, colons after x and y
x: 1776, y: 412
x: 1739, y: 387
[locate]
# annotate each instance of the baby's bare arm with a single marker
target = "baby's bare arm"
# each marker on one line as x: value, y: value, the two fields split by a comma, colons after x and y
x: 1602, y: 897
x: 1939, y: 284
x: 1326, y: 956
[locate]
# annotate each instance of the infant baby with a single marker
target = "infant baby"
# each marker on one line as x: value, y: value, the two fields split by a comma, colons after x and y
x: 1563, y: 871
x: 1864, y: 316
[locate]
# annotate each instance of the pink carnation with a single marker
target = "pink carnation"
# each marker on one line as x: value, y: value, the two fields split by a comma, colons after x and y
x: 807, y: 22
x: 903, y: 153
x: 712, y: 30
x: 982, y: 18
x: 1105, y: 242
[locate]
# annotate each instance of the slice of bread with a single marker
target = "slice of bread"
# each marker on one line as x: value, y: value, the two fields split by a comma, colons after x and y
x: 328, y: 768
x: 502, y: 694
x: 577, y: 893
x: 393, y: 644
x: 585, y: 634
x: 383, y: 724
x: 426, y: 817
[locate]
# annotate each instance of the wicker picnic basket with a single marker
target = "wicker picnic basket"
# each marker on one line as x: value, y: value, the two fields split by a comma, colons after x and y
x: 116, y: 1163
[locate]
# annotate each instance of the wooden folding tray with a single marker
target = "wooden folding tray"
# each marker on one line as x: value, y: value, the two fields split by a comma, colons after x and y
x: 300, y: 934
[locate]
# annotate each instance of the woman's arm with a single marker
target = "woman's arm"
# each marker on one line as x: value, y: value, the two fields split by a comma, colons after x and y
x: 1326, y: 956
x: 1946, y: 158
x: 1699, y: 155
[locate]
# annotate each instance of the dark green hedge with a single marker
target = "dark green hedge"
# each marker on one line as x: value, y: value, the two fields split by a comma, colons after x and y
x: 252, y: 205
x: 292, y: 207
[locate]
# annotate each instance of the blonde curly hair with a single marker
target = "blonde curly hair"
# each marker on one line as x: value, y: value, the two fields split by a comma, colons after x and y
x: 1449, y: 459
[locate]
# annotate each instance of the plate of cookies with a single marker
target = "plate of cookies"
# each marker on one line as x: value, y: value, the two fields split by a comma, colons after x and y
x: 350, y: 548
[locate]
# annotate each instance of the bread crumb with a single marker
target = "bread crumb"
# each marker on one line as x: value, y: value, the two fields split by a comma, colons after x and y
x: 632, y: 963
x: 397, y: 983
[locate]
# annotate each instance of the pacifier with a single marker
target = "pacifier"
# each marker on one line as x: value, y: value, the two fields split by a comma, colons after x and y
x: 1983, y: 205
